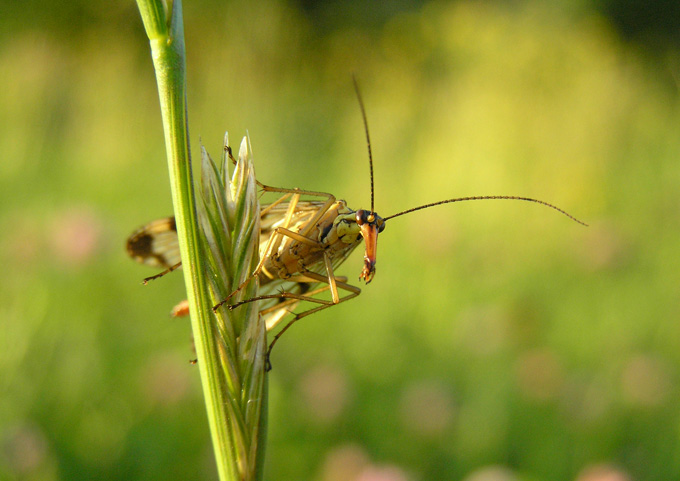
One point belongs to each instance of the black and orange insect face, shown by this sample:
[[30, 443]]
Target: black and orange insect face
[[370, 225]]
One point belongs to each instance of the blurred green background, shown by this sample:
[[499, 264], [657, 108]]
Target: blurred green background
[[499, 341]]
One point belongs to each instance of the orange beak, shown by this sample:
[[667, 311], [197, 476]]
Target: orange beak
[[370, 234]]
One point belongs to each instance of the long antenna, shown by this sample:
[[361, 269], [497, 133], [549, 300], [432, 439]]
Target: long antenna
[[368, 138], [487, 197]]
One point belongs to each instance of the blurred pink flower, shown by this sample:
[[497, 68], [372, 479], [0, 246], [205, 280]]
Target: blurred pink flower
[[325, 392], [75, 235], [602, 472], [427, 408]]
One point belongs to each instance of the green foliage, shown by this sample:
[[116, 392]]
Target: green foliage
[[494, 334]]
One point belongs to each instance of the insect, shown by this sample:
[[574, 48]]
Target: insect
[[302, 243]]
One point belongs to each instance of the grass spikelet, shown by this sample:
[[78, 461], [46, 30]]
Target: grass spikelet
[[230, 225]]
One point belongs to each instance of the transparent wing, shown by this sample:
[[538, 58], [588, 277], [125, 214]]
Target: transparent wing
[[273, 216]]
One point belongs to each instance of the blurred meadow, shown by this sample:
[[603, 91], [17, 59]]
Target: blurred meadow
[[499, 341]]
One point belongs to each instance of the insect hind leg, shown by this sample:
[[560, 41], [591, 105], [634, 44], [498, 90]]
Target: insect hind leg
[[289, 299], [353, 292], [332, 284]]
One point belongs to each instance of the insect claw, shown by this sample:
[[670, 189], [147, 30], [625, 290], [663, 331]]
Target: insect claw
[[152, 278]]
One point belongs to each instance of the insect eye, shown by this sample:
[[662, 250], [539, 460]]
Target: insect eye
[[361, 217], [381, 227]]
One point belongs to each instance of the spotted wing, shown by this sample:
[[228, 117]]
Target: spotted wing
[[155, 244]]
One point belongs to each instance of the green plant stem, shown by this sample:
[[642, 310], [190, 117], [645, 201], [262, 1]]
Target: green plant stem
[[164, 27]]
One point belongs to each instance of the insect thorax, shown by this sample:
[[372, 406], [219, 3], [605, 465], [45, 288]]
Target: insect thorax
[[336, 234]]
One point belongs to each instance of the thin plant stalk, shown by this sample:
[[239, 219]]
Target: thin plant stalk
[[232, 372]]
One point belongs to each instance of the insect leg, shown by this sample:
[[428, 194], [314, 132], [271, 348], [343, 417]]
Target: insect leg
[[280, 233], [302, 281], [271, 247], [333, 284], [161, 274], [230, 154], [353, 292], [274, 204], [292, 299]]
